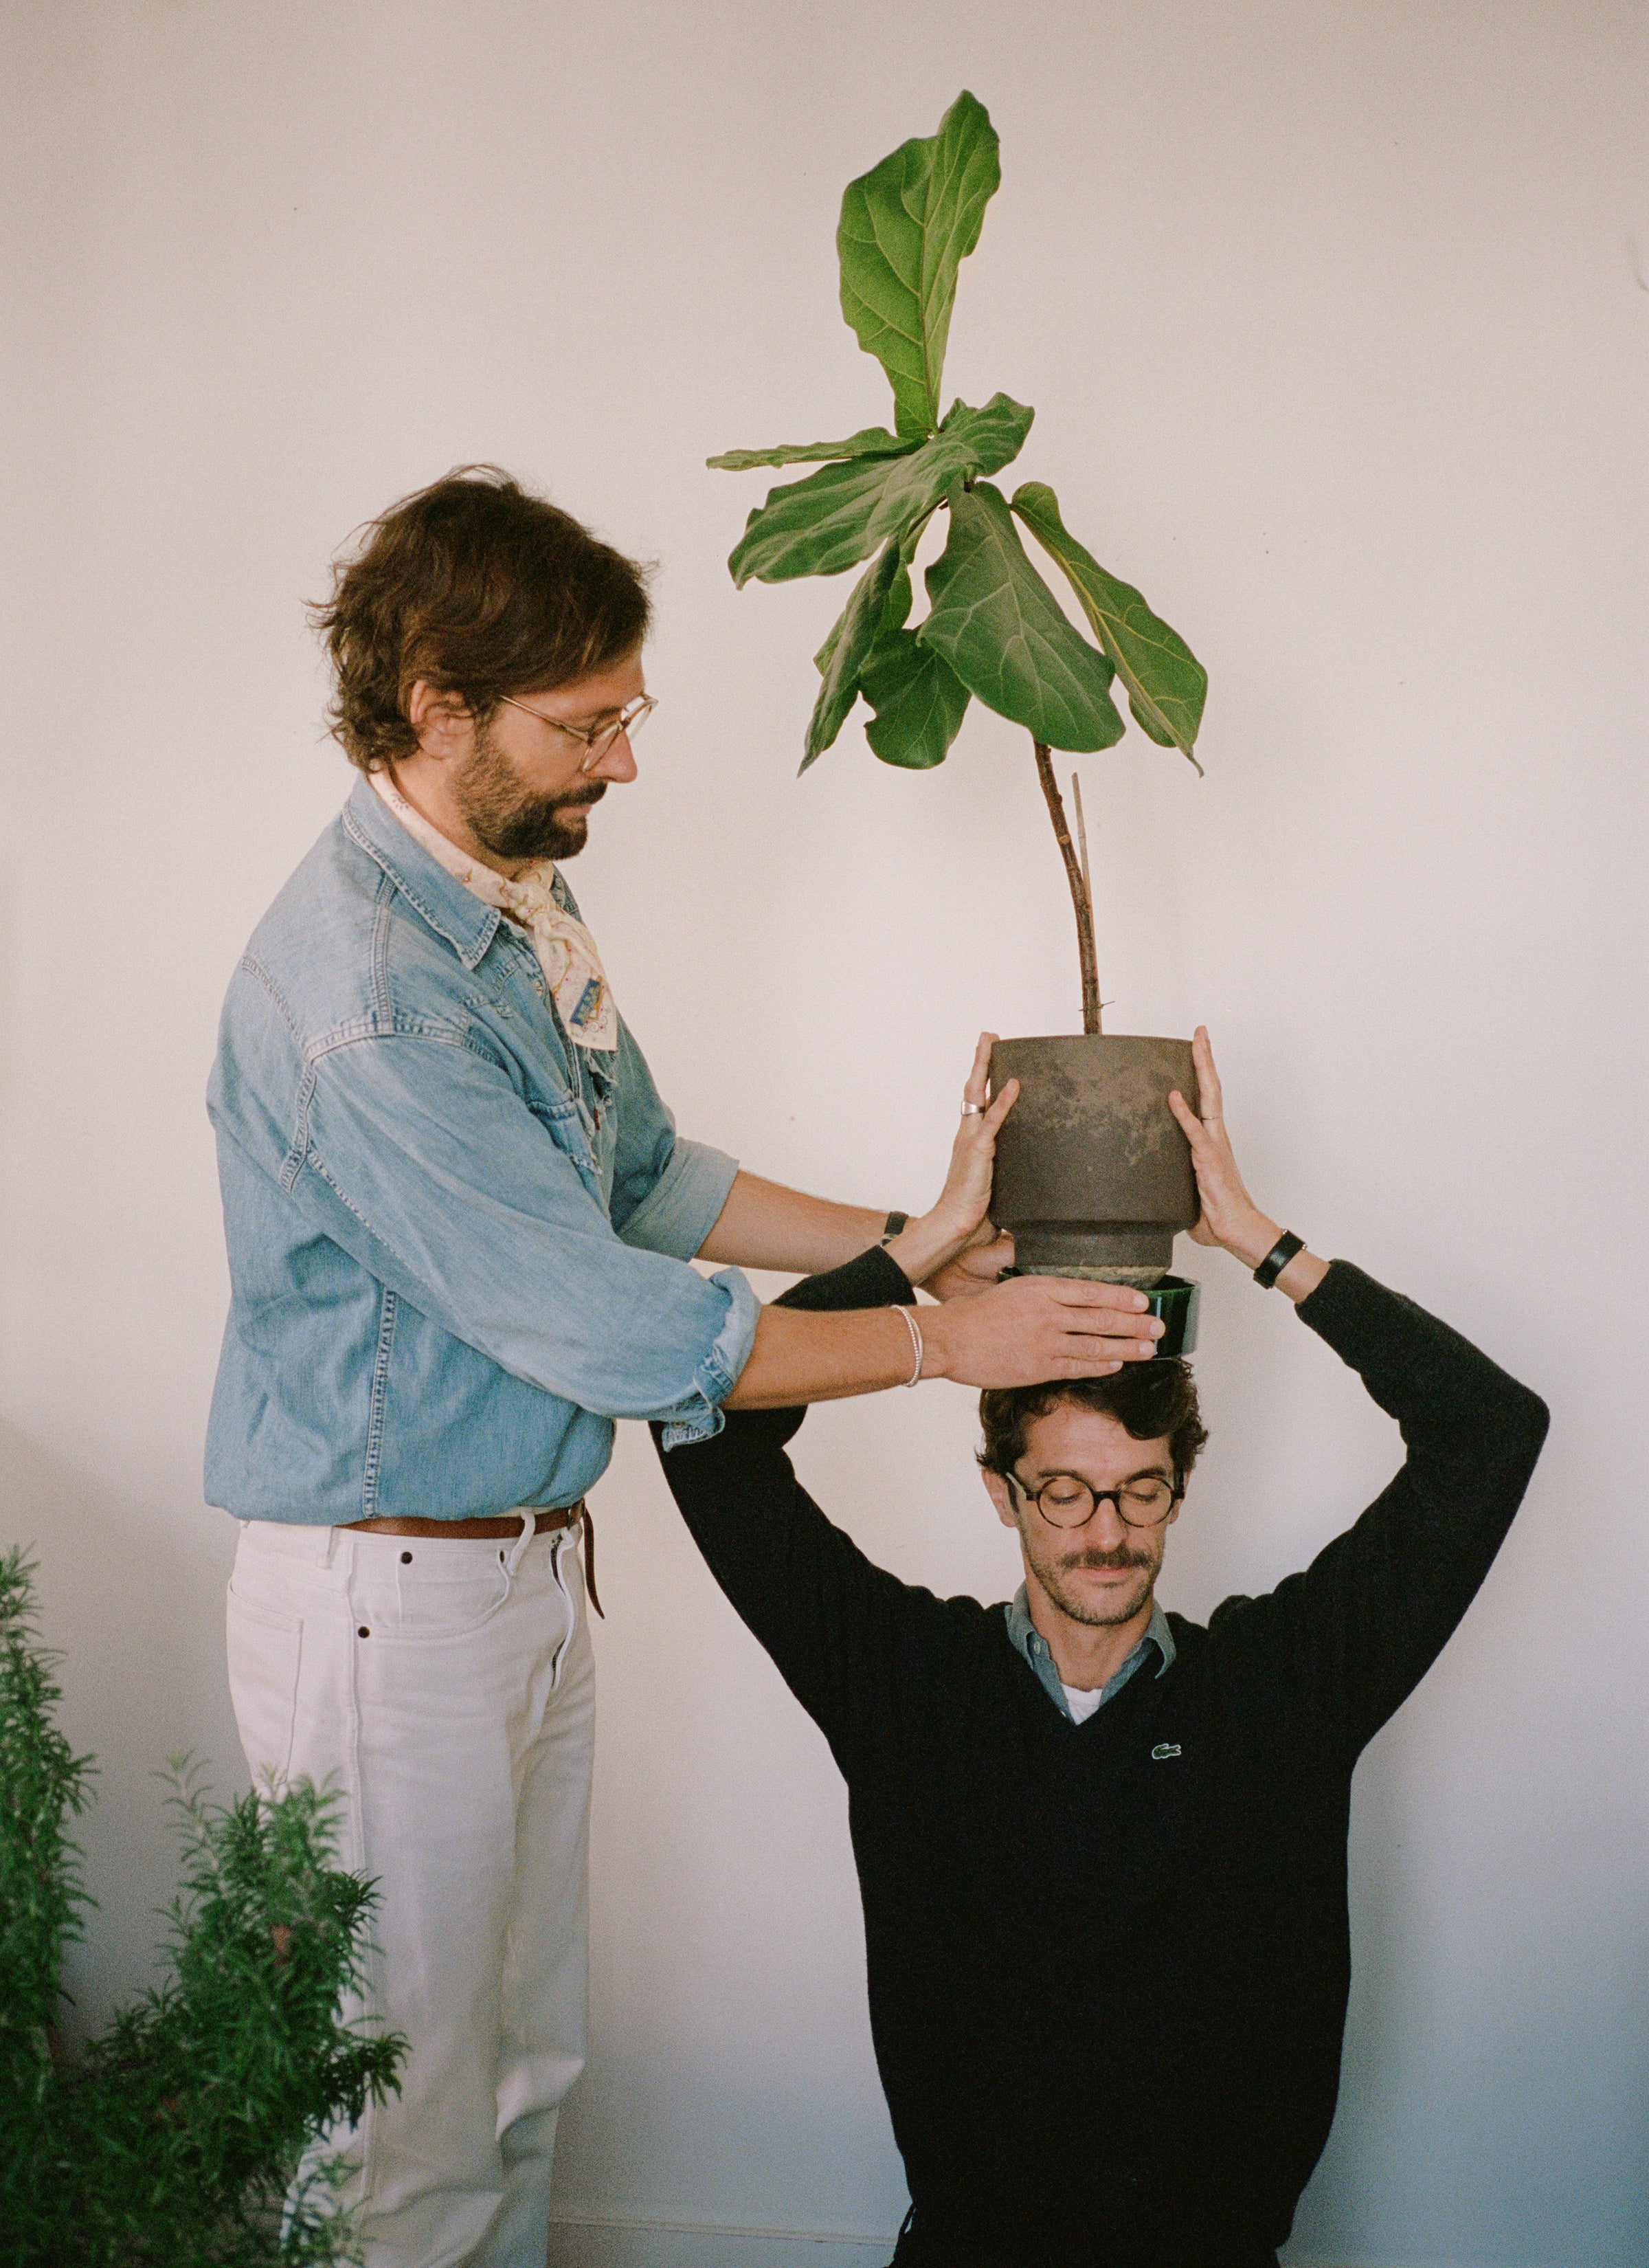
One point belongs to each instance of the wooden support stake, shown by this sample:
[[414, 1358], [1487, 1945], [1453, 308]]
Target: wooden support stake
[[1078, 881]]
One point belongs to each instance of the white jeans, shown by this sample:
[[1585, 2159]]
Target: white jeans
[[445, 1688]]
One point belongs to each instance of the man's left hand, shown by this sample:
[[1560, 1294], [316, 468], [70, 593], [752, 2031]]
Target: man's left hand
[[1230, 1218]]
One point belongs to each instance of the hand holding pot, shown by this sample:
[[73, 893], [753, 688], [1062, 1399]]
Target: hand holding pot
[[952, 1248], [1229, 1216], [1037, 1328]]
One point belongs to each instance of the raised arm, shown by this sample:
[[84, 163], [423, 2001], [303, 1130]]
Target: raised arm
[[847, 1636], [1352, 1636], [1365, 1621]]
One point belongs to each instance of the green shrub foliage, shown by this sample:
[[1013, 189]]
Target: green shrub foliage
[[176, 2138]]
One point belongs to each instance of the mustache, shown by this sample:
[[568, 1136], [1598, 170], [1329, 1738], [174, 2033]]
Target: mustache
[[1115, 1560], [576, 802]]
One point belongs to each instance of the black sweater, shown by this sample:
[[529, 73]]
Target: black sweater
[[1107, 1983]]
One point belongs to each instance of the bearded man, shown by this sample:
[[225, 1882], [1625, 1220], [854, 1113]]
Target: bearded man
[[460, 1222]]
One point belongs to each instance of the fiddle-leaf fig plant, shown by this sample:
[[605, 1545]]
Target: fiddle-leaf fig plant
[[994, 630]]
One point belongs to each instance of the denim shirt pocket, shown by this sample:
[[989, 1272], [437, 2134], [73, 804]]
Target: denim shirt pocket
[[547, 1076], [567, 1120], [590, 1095]]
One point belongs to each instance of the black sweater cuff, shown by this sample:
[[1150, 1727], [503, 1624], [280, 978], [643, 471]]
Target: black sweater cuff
[[873, 1280]]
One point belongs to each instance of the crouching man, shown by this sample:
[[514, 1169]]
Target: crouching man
[[1103, 1849]]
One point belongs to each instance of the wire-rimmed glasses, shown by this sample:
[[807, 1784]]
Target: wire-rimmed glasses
[[1065, 1501], [599, 738]]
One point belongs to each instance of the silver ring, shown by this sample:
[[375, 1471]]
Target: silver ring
[[973, 1110]]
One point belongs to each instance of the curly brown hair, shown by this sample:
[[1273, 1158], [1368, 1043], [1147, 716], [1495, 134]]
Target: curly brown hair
[[1153, 1400], [480, 588]]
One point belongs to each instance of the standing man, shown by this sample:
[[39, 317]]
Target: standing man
[[459, 1221]]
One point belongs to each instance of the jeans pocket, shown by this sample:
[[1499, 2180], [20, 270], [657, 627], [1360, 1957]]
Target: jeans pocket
[[432, 1600], [265, 1653]]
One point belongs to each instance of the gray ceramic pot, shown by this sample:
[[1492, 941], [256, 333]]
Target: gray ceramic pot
[[1092, 1175]]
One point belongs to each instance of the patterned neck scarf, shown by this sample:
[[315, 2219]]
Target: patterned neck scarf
[[566, 951]]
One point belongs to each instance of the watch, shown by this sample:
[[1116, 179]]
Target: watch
[[1277, 1258]]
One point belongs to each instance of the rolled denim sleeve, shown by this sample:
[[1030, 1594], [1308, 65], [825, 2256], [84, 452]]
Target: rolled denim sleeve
[[685, 1202], [417, 1155], [667, 1194], [697, 1420]]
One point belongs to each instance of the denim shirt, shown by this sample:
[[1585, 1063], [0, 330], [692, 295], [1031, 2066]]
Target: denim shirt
[[1035, 1650], [457, 1241]]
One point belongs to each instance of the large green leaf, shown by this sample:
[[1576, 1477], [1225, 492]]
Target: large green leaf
[[1001, 629], [840, 514], [917, 697], [972, 441], [1166, 684], [906, 227], [993, 436], [874, 441], [815, 526], [843, 652]]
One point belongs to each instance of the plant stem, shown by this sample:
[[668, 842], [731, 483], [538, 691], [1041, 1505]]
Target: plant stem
[[1078, 889]]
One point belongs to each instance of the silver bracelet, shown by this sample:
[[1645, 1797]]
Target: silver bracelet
[[916, 1346]]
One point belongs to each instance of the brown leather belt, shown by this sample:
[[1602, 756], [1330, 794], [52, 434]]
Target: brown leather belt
[[503, 1525]]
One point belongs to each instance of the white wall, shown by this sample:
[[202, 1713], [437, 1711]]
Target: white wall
[[1334, 326]]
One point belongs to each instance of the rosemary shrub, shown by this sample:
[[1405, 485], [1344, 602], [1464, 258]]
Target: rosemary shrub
[[177, 2137]]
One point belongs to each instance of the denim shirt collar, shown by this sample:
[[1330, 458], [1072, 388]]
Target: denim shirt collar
[[467, 923], [1034, 1651]]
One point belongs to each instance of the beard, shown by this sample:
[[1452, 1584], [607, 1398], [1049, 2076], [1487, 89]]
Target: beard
[[509, 820], [1121, 1606]]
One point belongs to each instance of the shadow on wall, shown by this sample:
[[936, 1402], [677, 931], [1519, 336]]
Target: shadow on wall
[[126, 1604], [1335, 2203]]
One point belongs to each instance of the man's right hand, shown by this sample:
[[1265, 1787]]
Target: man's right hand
[[1016, 1334], [1036, 1328]]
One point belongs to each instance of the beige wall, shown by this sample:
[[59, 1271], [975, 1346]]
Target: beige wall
[[1335, 325]]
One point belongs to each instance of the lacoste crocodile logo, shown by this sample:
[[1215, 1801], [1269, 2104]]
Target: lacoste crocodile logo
[[1163, 1750]]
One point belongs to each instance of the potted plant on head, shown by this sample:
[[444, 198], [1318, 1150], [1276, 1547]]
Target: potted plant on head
[[1092, 1175]]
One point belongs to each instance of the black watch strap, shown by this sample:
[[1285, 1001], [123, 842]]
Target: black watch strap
[[895, 1222], [1277, 1259]]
